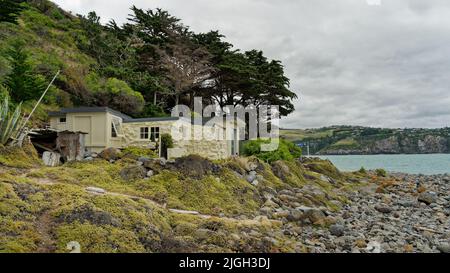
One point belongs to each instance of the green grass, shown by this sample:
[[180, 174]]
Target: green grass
[[300, 134]]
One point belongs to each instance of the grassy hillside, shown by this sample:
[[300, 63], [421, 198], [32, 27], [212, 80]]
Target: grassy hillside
[[48, 37]]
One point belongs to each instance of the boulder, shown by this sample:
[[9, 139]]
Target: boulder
[[265, 210], [110, 154], [444, 248], [250, 178], [337, 230], [427, 197], [88, 213], [133, 173], [203, 233], [252, 166], [193, 166], [143, 159], [373, 247], [269, 203], [295, 215], [280, 214], [316, 216], [383, 208]]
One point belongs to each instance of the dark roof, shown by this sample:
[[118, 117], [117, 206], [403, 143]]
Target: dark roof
[[150, 119], [64, 111], [126, 118]]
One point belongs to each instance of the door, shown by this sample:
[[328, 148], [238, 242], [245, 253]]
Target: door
[[83, 124]]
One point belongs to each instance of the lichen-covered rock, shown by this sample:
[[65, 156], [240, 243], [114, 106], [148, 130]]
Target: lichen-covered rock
[[110, 154], [427, 198], [87, 213], [133, 173], [194, 166], [337, 230], [383, 208]]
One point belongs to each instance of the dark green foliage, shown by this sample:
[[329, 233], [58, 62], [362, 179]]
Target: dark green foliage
[[362, 171], [23, 82], [152, 110], [381, 172], [286, 150], [10, 10], [116, 94], [245, 78], [166, 143]]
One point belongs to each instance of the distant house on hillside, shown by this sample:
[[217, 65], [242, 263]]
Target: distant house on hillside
[[105, 127]]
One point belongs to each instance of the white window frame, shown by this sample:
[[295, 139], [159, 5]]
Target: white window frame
[[145, 133]]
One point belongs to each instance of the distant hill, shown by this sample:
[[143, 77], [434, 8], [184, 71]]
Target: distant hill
[[344, 140]]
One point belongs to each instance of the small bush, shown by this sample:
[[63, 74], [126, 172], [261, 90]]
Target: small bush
[[286, 150], [362, 171], [381, 172], [166, 143]]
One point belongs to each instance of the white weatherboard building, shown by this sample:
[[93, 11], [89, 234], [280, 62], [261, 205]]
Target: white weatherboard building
[[105, 127]]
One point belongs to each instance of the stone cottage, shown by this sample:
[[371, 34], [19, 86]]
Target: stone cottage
[[105, 127]]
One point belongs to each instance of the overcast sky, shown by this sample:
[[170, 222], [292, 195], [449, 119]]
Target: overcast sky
[[350, 62]]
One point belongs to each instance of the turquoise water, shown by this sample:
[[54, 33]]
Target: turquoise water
[[414, 164]]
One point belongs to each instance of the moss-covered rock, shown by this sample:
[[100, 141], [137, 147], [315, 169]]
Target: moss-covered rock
[[16, 157]]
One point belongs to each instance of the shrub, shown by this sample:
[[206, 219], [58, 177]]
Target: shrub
[[362, 171], [166, 143], [116, 94], [286, 150], [152, 110], [381, 172], [138, 151]]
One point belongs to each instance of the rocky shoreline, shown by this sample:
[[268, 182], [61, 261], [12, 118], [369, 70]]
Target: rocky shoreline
[[400, 213]]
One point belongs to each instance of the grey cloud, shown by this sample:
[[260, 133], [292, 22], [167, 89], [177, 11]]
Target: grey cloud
[[350, 63]]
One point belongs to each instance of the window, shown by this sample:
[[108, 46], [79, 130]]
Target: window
[[113, 130], [62, 120], [154, 134], [144, 132]]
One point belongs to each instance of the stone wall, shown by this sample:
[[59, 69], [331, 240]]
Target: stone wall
[[213, 148]]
